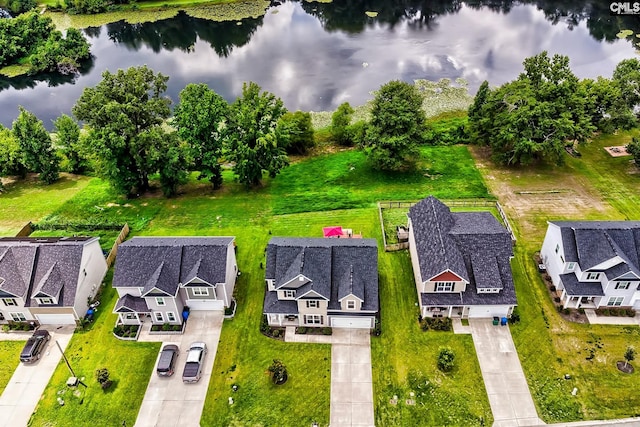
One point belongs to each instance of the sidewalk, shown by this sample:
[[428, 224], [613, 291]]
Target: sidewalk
[[594, 319]]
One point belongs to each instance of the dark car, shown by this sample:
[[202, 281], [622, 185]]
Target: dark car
[[193, 366], [167, 360], [34, 346]]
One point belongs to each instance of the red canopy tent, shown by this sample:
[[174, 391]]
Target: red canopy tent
[[334, 231]]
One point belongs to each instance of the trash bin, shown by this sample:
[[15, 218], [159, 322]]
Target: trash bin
[[503, 321], [496, 321]]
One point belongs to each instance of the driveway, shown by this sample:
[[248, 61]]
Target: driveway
[[509, 395], [19, 399], [168, 402], [351, 381]]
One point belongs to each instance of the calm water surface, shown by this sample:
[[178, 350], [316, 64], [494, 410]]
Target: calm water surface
[[316, 56]]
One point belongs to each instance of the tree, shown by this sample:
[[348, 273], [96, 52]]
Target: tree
[[10, 155], [102, 376], [633, 148], [36, 147], [477, 120], [251, 141], [396, 126], [340, 121], [294, 132], [446, 358], [199, 119], [173, 156], [627, 76], [21, 6], [534, 116], [68, 141], [629, 355], [278, 372], [125, 112]]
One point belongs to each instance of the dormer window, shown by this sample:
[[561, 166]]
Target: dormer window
[[444, 286], [571, 266], [351, 305], [593, 276], [623, 285], [289, 294], [45, 301], [313, 303], [9, 302]]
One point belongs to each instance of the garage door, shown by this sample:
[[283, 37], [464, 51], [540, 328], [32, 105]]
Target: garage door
[[56, 319], [488, 311], [200, 305], [352, 322]]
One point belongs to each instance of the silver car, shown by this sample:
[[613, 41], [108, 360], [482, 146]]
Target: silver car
[[193, 366]]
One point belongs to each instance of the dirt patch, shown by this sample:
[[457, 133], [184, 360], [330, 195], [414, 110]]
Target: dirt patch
[[532, 196], [617, 151], [626, 368]]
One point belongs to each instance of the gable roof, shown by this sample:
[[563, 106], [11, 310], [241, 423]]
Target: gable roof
[[466, 243], [590, 243], [16, 264], [335, 267], [131, 304], [48, 266], [163, 263]]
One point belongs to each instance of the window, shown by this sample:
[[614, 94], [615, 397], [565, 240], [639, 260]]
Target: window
[[615, 301], [160, 301], [313, 304], [130, 316], [171, 316], [159, 316], [9, 301], [593, 276], [289, 294], [200, 291], [623, 285], [45, 301], [444, 286], [557, 248], [571, 266], [1, 316], [313, 319], [351, 304], [562, 259], [18, 317]]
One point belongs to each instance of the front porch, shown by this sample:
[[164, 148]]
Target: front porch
[[444, 311], [578, 301], [283, 320]]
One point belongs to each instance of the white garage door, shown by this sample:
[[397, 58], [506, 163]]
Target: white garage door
[[488, 311], [56, 319], [200, 305], [352, 322]]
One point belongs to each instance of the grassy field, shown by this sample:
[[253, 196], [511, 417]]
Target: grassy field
[[10, 356], [243, 353], [595, 186]]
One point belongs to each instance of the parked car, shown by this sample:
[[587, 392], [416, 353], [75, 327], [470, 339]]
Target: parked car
[[193, 366], [34, 346], [167, 360]]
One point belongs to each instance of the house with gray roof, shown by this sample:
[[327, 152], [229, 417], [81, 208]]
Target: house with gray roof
[[157, 277], [318, 282], [49, 279], [461, 262], [594, 263]]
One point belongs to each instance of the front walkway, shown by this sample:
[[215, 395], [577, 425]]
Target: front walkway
[[509, 395], [168, 402], [594, 319]]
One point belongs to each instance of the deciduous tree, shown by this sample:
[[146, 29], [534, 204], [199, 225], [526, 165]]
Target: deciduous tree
[[199, 118], [35, 146], [396, 126], [627, 76], [10, 155], [125, 112], [295, 132], [68, 140], [340, 121], [251, 141]]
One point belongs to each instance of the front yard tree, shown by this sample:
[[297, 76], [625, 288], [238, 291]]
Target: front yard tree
[[446, 358], [294, 132], [199, 118], [278, 372], [125, 112], [251, 141], [10, 157], [633, 148], [627, 76], [629, 355], [68, 139], [340, 121], [36, 146], [396, 126]]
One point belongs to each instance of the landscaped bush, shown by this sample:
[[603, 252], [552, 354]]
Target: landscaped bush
[[301, 330], [102, 375], [377, 329], [614, 311], [515, 316], [21, 326], [552, 288], [556, 299], [436, 323], [446, 359], [126, 331], [327, 331]]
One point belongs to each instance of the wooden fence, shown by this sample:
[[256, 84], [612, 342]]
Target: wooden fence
[[26, 230], [465, 203], [114, 249]]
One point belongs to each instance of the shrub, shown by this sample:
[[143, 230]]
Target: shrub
[[566, 311], [166, 327], [377, 329], [102, 375], [581, 310], [264, 325], [556, 299], [515, 317], [327, 331], [446, 359], [552, 288], [630, 312], [275, 333], [278, 372], [301, 330]]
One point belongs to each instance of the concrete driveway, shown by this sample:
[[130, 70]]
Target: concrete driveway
[[19, 399], [509, 395], [169, 402]]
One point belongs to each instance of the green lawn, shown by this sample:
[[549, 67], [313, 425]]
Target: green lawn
[[595, 186], [30, 200], [281, 207], [10, 356]]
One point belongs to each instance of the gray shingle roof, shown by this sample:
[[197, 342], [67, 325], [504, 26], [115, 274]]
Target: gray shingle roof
[[336, 267], [48, 266], [576, 288], [131, 304], [160, 264], [598, 241], [473, 245]]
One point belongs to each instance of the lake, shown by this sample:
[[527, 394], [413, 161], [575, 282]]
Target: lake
[[317, 55]]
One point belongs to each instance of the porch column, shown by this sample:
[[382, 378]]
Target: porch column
[[280, 319], [450, 310]]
